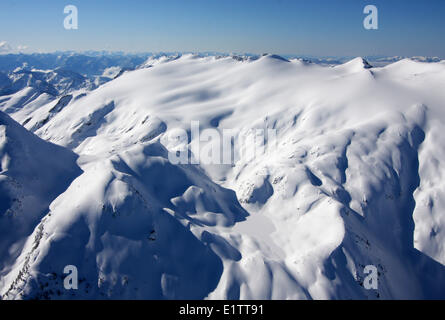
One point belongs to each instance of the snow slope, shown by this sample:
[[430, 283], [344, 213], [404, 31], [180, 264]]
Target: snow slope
[[354, 178], [32, 174]]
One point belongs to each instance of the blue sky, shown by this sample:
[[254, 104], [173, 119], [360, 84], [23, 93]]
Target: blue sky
[[306, 27]]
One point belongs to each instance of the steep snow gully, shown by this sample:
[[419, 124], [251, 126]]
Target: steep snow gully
[[350, 177]]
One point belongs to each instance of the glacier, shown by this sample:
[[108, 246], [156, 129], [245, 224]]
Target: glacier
[[354, 179]]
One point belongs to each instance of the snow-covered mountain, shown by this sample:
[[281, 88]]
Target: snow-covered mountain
[[88, 64], [352, 178], [32, 174]]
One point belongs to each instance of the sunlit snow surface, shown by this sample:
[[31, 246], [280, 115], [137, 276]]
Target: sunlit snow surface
[[355, 179]]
